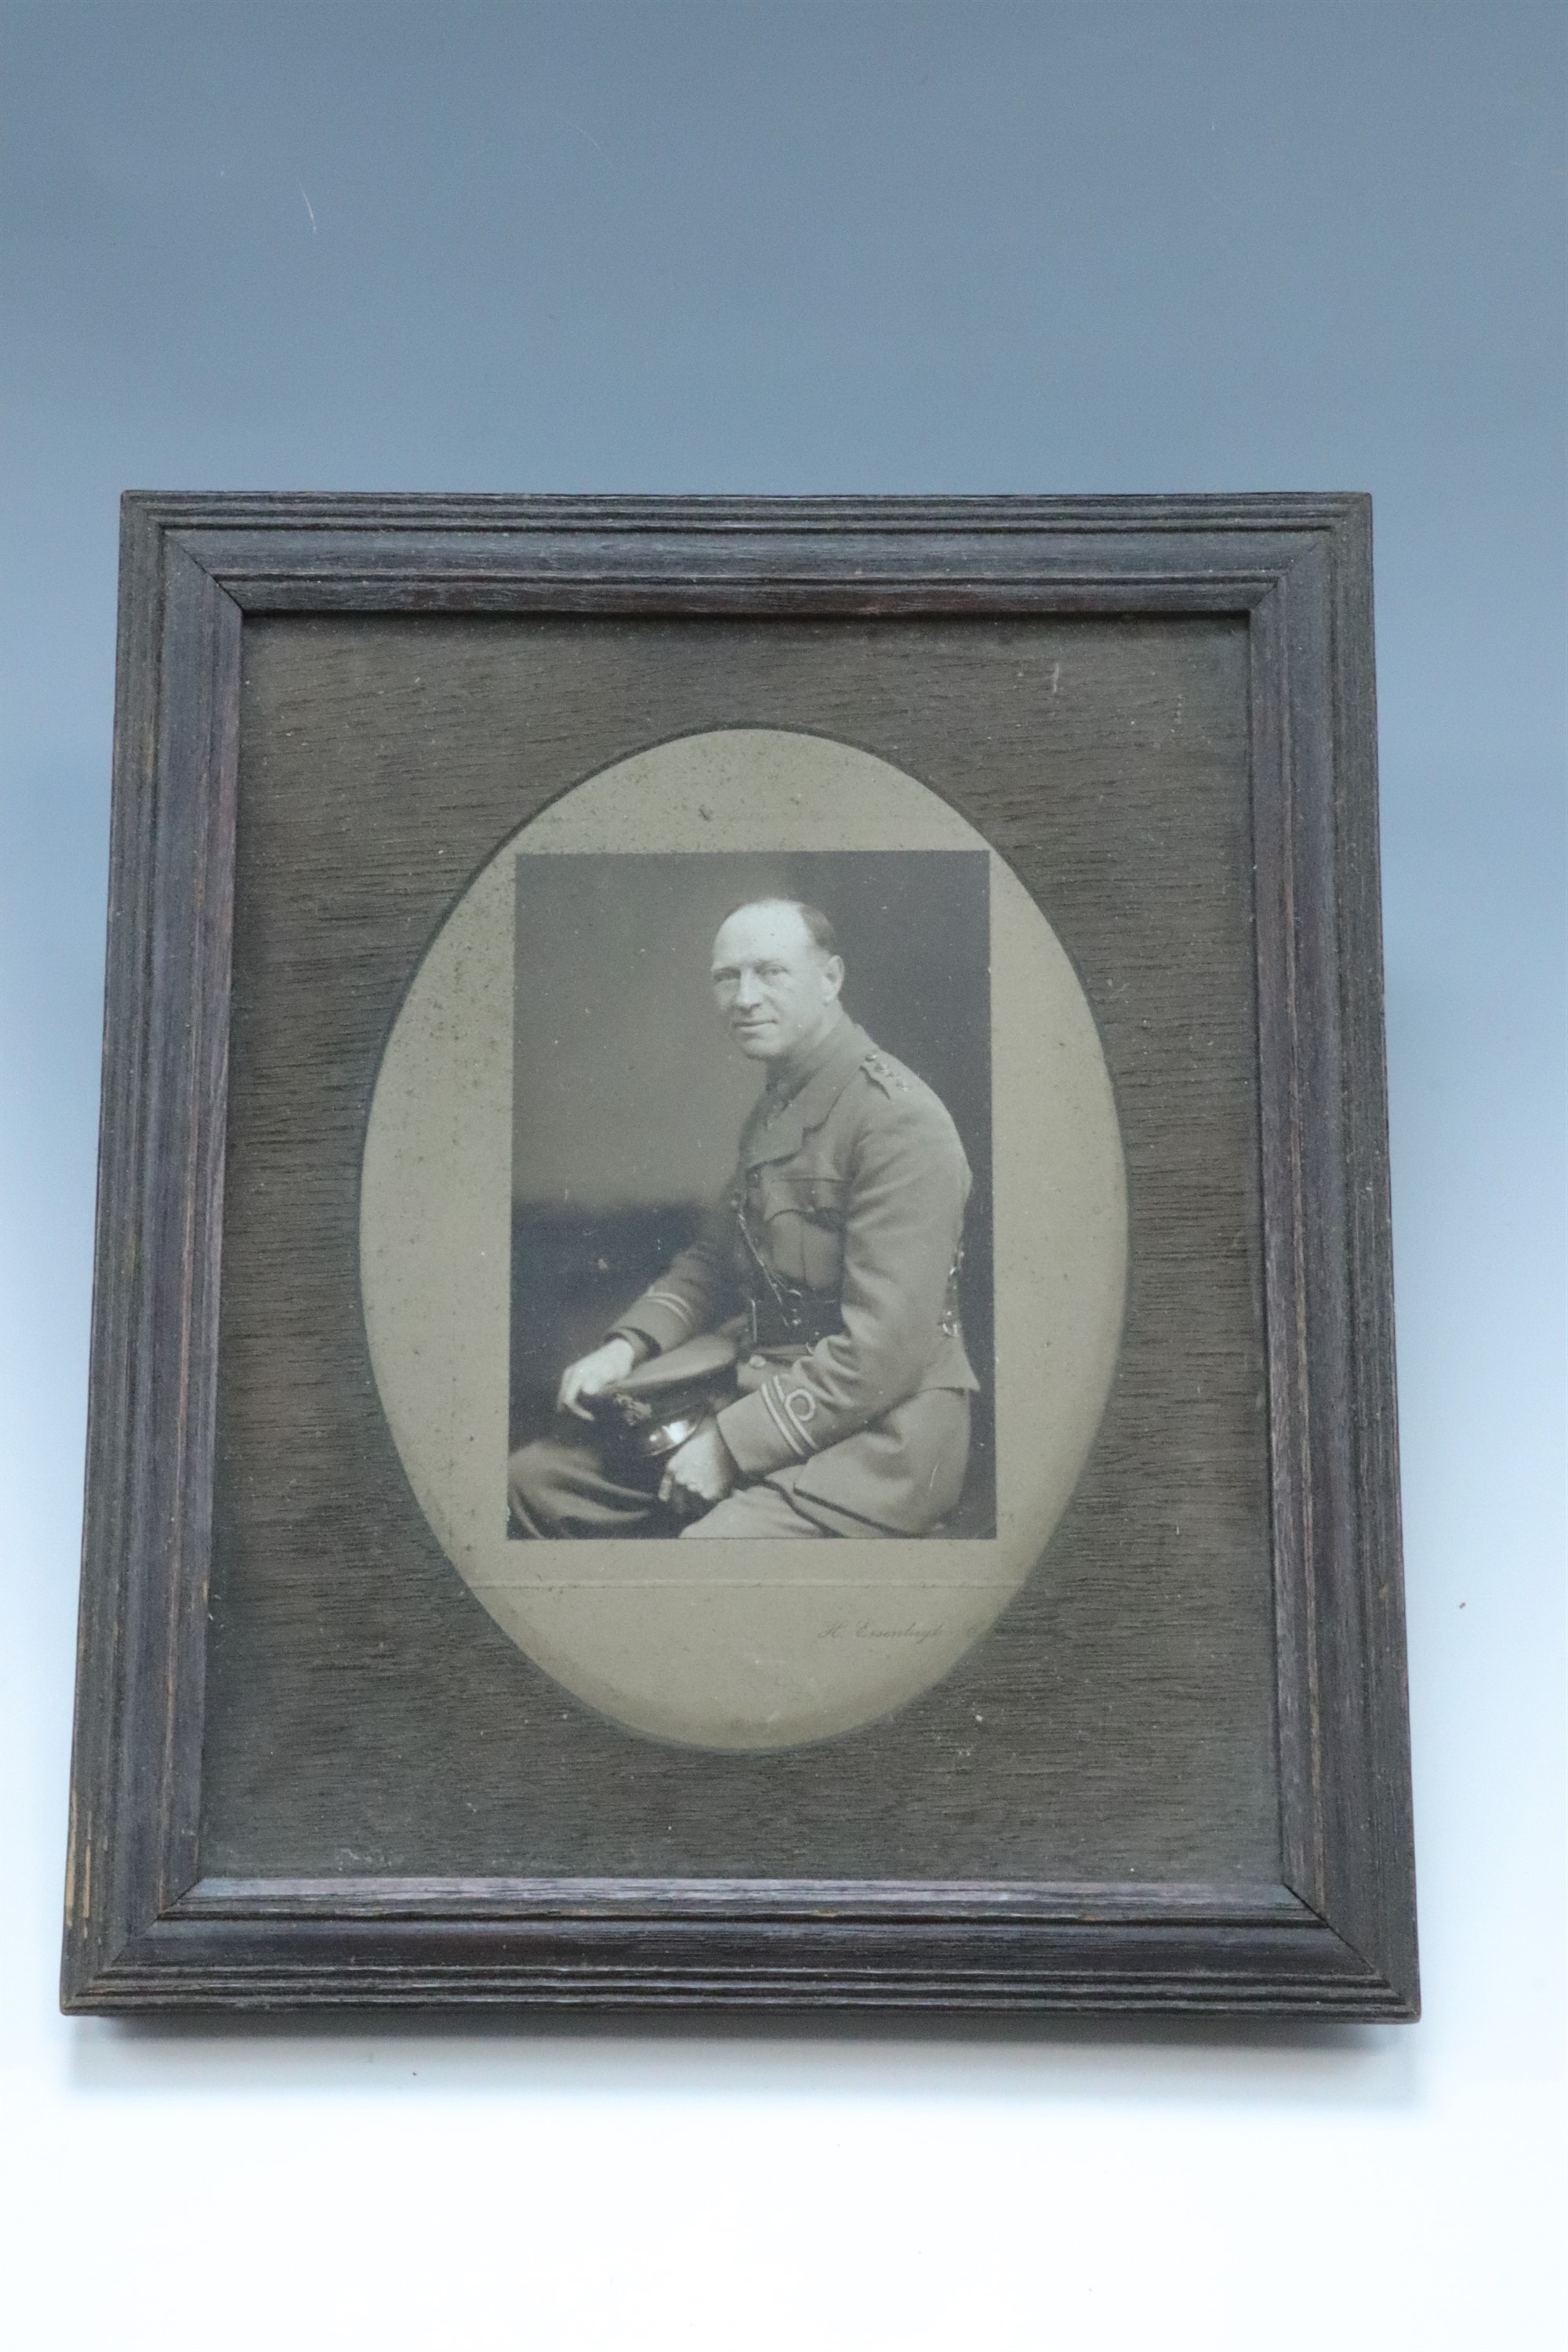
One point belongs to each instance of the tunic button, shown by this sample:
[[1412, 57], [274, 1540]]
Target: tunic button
[[758, 1362]]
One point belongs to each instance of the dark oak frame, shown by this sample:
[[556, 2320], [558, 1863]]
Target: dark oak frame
[[144, 1928]]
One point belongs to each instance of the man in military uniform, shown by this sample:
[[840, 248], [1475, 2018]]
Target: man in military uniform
[[834, 1260]]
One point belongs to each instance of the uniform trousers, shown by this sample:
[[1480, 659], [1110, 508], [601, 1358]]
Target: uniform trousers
[[559, 1486]]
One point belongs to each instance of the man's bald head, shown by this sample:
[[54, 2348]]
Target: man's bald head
[[777, 974]]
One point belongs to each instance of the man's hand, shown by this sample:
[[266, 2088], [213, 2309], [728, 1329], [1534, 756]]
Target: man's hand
[[698, 1474], [591, 1375]]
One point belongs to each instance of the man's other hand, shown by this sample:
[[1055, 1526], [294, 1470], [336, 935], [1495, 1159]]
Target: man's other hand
[[698, 1474], [591, 1375]]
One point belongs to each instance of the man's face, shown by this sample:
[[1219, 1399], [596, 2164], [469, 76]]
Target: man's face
[[775, 988]]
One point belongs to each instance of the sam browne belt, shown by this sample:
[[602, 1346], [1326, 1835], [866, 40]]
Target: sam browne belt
[[780, 1314]]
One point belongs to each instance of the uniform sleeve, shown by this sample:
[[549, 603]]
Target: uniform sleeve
[[908, 1181], [693, 1293]]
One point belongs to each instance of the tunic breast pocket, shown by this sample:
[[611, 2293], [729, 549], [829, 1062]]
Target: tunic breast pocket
[[804, 1218]]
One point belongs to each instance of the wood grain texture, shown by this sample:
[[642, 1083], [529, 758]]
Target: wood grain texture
[[1327, 1926], [136, 1776]]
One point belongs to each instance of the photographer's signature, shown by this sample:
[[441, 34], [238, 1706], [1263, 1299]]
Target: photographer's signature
[[861, 1629]]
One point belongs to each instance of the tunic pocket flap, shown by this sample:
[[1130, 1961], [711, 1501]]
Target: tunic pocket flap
[[819, 1198]]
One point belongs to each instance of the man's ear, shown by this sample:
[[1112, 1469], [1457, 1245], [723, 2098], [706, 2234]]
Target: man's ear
[[833, 972]]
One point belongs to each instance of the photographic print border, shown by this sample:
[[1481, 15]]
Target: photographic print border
[[1335, 1934]]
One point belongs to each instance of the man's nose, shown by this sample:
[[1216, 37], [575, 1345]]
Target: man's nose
[[746, 989]]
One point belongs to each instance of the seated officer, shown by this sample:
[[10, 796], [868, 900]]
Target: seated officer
[[833, 1258]]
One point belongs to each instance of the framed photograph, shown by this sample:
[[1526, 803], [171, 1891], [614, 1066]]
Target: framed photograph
[[742, 1348]]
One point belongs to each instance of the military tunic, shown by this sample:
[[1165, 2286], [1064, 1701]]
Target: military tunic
[[839, 1242]]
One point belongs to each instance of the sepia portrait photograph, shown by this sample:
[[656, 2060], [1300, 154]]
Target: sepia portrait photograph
[[797, 1344]]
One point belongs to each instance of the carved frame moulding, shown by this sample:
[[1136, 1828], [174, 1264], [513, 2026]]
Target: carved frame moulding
[[1166, 1768]]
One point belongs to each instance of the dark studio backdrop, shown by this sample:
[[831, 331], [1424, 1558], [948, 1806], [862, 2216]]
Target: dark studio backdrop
[[630, 1095]]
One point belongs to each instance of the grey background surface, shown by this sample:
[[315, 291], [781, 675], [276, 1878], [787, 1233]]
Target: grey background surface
[[1080, 247]]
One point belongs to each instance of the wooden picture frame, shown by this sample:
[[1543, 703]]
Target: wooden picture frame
[[151, 1922]]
